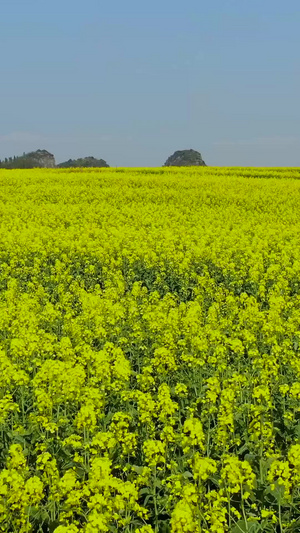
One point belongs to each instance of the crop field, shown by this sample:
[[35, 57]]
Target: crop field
[[150, 350]]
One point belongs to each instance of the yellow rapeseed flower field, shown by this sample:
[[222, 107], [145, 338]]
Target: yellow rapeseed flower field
[[150, 350]]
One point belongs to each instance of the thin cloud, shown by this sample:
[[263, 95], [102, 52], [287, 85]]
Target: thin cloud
[[21, 136], [261, 141], [76, 139], [29, 137]]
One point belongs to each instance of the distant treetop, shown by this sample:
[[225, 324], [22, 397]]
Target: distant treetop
[[85, 162]]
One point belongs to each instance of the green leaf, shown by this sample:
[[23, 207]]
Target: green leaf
[[250, 458], [297, 430], [246, 527], [277, 493], [146, 490], [187, 474]]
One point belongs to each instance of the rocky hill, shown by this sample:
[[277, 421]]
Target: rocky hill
[[85, 162], [38, 159], [185, 158], [43, 159]]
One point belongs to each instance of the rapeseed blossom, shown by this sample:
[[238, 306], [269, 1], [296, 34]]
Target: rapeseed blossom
[[149, 350]]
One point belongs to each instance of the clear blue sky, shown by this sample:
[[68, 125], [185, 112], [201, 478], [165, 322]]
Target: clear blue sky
[[133, 81]]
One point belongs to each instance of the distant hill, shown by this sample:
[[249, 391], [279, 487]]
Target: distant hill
[[85, 162], [185, 158], [38, 159], [43, 159]]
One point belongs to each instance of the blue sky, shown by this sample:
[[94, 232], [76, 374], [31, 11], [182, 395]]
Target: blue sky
[[133, 81]]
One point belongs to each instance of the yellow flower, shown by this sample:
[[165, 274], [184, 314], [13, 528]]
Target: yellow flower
[[193, 434], [154, 451]]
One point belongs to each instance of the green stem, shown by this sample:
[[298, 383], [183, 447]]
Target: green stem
[[208, 437], [155, 502], [243, 510], [279, 517]]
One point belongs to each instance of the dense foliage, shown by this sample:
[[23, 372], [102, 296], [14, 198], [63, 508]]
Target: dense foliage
[[85, 162], [149, 363]]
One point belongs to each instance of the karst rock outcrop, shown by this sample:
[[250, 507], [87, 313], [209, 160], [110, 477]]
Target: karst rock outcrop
[[43, 158], [185, 158], [37, 159]]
